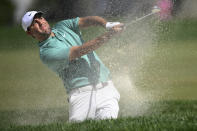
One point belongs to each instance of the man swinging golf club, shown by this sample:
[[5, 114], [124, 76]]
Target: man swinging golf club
[[91, 93]]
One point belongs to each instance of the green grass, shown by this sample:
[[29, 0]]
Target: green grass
[[178, 30], [166, 115]]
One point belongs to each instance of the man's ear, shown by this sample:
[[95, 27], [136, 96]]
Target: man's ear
[[28, 33]]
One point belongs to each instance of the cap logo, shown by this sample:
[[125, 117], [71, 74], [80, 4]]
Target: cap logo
[[29, 14]]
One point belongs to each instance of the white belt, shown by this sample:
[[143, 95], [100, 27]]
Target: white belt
[[89, 87]]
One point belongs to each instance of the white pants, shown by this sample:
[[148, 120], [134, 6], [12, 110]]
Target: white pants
[[94, 102]]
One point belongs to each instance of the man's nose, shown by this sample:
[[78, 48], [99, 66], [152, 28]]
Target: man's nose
[[39, 21]]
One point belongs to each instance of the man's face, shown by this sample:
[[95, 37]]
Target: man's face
[[39, 28]]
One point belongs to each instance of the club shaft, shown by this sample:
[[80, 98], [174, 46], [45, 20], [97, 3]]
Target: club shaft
[[141, 18]]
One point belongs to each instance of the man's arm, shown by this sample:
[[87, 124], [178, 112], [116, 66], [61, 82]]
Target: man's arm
[[78, 51], [92, 21]]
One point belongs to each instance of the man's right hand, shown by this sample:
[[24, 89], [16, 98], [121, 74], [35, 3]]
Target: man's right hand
[[118, 28]]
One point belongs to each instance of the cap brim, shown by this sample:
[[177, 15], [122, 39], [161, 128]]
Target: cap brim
[[38, 14]]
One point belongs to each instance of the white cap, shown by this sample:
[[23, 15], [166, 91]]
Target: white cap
[[28, 18]]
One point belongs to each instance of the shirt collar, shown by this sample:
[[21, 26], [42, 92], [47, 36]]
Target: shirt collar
[[48, 39]]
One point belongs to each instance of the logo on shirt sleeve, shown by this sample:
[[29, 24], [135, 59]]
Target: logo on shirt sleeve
[[64, 35]]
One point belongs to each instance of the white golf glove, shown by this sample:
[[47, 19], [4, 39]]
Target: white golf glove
[[110, 25]]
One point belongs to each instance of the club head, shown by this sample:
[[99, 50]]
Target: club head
[[156, 9]]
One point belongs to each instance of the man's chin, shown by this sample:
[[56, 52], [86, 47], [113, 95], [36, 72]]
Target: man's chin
[[46, 33]]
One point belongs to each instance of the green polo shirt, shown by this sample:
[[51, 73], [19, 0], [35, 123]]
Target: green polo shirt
[[54, 52]]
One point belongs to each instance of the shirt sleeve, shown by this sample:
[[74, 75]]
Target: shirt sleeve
[[56, 58], [72, 24]]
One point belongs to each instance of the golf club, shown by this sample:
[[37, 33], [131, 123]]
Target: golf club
[[155, 10]]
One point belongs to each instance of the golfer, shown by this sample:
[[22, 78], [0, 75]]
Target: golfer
[[91, 93]]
